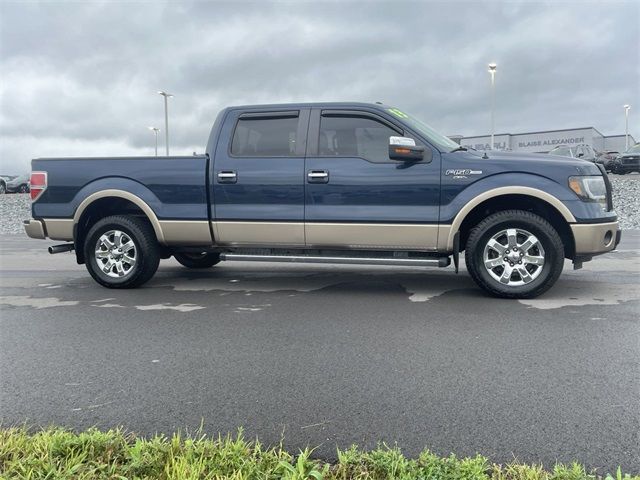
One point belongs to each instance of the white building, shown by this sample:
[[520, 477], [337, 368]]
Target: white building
[[542, 142]]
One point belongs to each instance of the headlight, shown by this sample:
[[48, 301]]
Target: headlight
[[590, 189]]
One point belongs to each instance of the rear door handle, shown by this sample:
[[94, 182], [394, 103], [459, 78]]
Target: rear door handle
[[318, 176], [227, 176]]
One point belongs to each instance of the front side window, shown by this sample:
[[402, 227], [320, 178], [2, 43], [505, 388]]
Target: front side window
[[345, 136], [265, 137], [437, 139]]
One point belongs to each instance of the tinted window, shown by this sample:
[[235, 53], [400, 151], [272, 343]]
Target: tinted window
[[355, 137], [265, 137]]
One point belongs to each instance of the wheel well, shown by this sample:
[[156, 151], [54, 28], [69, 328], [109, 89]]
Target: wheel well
[[519, 202], [101, 208]]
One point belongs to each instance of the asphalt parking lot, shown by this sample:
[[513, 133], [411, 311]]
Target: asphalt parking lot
[[328, 355]]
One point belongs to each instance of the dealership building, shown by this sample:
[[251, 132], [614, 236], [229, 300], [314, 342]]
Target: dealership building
[[542, 142]]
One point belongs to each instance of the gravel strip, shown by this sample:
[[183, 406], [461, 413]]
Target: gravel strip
[[14, 208], [626, 199]]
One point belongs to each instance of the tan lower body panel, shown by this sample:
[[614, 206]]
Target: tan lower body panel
[[176, 232], [594, 238], [59, 229], [372, 235], [294, 234], [186, 232], [259, 233]]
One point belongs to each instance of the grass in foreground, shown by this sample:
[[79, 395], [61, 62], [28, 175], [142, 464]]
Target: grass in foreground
[[57, 453]]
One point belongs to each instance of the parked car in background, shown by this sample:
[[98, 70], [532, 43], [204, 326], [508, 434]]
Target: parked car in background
[[19, 184], [606, 159], [628, 162], [583, 151]]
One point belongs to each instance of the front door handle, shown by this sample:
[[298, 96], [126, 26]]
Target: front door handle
[[227, 176], [318, 176]]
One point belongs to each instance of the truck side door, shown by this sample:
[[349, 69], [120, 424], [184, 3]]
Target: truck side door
[[258, 178], [356, 196]]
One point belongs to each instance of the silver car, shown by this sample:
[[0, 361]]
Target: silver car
[[19, 184]]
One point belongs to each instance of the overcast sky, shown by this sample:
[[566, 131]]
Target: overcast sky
[[81, 78]]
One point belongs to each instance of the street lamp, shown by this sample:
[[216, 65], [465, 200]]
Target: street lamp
[[626, 126], [155, 130], [492, 71], [166, 118]]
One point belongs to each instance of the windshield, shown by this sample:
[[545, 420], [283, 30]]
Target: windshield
[[437, 139], [634, 149]]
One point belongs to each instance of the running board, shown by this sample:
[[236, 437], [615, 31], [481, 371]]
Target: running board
[[407, 262]]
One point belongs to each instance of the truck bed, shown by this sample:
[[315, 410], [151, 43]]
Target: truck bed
[[174, 186]]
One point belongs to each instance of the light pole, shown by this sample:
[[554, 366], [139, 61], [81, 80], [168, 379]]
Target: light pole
[[626, 126], [492, 71], [155, 130], [166, 118]]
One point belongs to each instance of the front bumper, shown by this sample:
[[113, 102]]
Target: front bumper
[[595, 238], [34, 228]]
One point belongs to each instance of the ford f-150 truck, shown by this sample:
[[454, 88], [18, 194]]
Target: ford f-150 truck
[[328, 183]]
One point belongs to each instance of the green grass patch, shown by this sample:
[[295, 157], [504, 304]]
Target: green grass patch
[[56, 453]]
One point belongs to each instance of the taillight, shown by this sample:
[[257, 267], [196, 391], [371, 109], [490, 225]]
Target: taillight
[[38, 184]]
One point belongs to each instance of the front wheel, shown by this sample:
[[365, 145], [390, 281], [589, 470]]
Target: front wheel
[[197, 260], [514, 254], [121, 251]]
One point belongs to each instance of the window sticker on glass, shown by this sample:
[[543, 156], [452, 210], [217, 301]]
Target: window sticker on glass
[[397, 113]]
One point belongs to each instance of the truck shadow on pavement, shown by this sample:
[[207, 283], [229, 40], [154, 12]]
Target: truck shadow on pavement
[[573, 289]]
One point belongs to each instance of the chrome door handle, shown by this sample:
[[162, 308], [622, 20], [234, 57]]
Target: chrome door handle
[[227, 176], [318, 176]]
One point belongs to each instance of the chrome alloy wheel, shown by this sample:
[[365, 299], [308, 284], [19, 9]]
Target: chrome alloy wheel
[[116, 253], [514, 257]]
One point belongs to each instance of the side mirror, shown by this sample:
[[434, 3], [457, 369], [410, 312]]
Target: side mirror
[[580, 155], [405, 149]]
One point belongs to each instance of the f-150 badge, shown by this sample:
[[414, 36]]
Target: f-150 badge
[[462, 172]]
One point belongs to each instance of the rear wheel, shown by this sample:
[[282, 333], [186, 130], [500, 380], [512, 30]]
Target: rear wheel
[[121, 251], [514, 254], [197, 260], [23, 188]]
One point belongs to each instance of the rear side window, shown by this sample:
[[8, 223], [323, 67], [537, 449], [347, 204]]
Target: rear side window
[[345, 136], [265, 137]]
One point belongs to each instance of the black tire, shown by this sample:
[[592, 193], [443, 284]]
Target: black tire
[[3, 188], [147, 251], [23, 189], [197, 260], [548, 238]]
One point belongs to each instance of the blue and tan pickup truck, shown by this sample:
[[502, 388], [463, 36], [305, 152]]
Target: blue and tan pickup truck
[[351, 183]]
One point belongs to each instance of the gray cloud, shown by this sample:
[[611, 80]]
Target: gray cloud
[[80, 78]]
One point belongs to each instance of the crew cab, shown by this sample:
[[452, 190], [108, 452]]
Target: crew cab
[[351, 183]]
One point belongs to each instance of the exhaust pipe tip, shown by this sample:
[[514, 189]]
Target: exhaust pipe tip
[[65, 247]]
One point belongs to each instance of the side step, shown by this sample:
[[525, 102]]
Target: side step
[[407, 262]]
